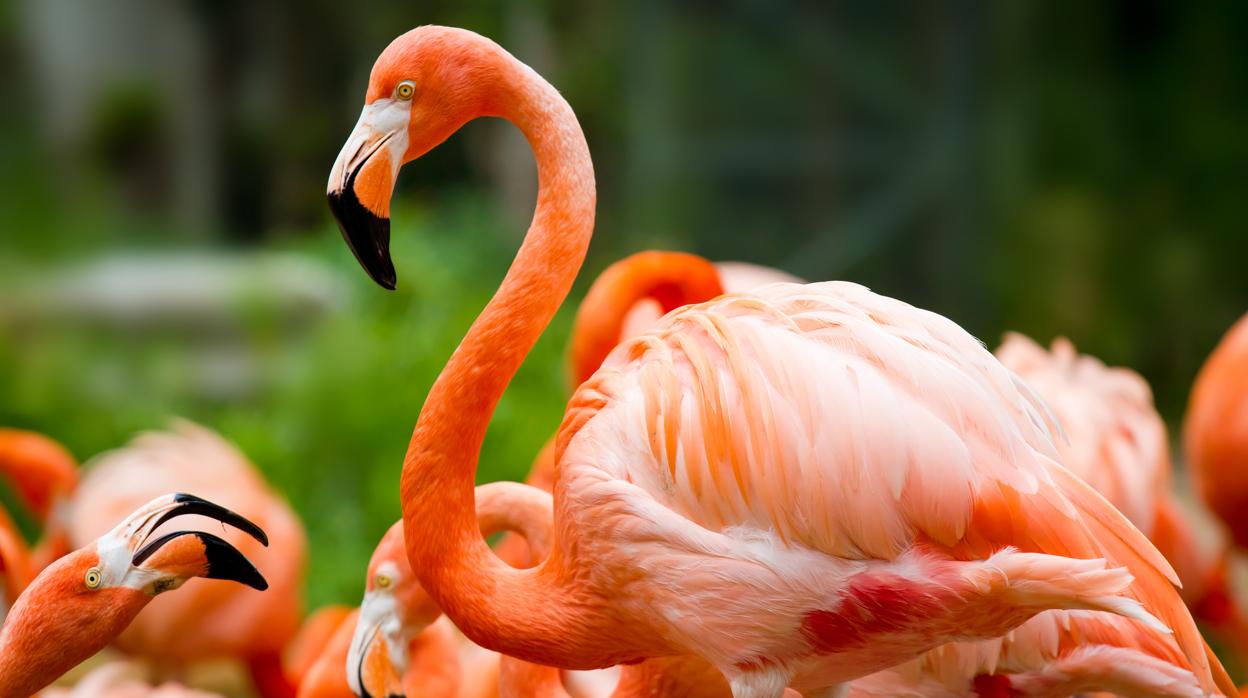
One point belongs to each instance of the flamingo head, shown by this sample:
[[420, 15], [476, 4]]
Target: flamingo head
[[426, 85], [395, 610], [84, 600]]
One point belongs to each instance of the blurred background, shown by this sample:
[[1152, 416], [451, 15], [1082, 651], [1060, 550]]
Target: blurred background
[[165, 248]]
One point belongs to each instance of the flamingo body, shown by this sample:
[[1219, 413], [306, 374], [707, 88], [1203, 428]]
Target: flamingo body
[[701, 455]]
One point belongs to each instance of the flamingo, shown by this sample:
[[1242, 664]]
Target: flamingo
[[628, 298], [226, 621], [1215, 432], [122, 679], [312, 641], [326, 672], [399, 641], [801, 486], [1117, 442], [1055, 654], [84, 600], [44, 475]]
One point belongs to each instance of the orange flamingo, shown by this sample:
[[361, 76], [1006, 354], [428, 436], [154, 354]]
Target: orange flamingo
[[84, 600], [1215, 433], [398, 640], [15, 564], [399, 614], [315, 636], [44, 476], [204, 621], [326, 672], [801, 486]]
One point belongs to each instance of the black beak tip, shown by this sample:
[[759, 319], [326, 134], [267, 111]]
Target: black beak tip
[[225, 562], [366, 233]]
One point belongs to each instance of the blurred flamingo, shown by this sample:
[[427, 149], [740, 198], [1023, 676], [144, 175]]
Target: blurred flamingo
[[43, 475], [400, 643], [84, 600], [1215, 433], [325, 675], [15, 566], [205, 621], [801, 486], [314, 637], [122, 679], [1117, 442]]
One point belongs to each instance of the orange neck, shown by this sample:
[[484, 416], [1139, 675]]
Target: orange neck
[[15, 566], [532, 613], [39, 469], [671, 278]]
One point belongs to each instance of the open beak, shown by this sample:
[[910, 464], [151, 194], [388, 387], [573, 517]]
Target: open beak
[[377, 657], [362, 182], [173, 558]]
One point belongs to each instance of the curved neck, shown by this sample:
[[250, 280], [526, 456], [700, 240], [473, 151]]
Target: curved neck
[[514, 611], [671, 278], [523, 509], [39, 469]]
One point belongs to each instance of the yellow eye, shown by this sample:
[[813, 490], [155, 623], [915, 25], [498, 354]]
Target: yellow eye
[[405, 90], [383, 581], [93, 578]]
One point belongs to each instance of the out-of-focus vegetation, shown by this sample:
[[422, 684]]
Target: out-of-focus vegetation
[[1052, 168]]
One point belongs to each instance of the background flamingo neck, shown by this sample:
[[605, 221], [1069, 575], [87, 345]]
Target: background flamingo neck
[[522, 509], [39, 469], [671, 278], [495, 605]]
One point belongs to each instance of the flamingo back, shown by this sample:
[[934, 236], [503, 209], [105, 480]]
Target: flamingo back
[[851, 424]]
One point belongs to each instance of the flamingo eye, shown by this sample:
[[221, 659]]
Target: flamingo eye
[[93, 578], [405, 90], [383, 581]]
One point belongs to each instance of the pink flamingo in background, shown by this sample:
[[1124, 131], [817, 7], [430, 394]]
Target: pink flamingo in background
[[122, 679], [1117, 442], [84, 600], [204, 621], [801, 486], [1215, 432]]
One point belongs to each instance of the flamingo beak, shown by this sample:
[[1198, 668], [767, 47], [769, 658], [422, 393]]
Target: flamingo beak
[[362, 182], [377, 656], [373, 674], [168, 561]]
